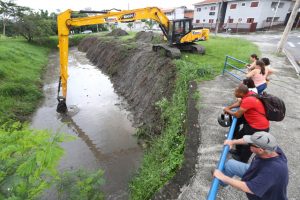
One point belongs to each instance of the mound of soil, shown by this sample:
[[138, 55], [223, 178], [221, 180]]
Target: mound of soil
[[140, 75], [117, 32], [148, 37]]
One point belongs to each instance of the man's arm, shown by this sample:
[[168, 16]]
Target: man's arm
[[239, 113], [241, 185]]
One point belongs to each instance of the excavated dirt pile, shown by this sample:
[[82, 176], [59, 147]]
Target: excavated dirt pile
[[117, 32], [140, 75], [148, 37]]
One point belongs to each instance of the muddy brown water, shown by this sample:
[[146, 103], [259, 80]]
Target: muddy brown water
[[98, 119]]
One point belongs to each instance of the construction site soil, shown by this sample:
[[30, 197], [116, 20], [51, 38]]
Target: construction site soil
[[140, 75]]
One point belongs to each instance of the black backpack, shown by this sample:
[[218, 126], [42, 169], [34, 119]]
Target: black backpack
[[274, 107]]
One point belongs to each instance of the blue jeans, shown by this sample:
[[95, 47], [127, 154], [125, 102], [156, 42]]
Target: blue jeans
[[234, 168], [261, 88]]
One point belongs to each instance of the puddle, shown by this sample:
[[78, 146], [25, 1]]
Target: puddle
[[97, 118]]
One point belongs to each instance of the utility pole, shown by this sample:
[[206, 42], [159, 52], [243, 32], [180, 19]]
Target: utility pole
[[288, 27], [218, 17], [274, 14]]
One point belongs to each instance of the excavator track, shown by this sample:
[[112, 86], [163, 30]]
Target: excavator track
[[169, 51], [191, 47]]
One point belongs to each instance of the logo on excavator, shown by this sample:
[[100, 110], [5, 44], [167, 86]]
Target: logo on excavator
[[128, 16], [110, 19], [196, 32]]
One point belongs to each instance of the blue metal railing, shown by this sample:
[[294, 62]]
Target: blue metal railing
[[232, 66], [215, 184]]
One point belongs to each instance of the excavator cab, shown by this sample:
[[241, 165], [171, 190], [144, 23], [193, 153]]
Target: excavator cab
[[179, 28]]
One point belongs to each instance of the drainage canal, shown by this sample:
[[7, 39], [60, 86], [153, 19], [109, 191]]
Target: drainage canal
[[97, 117]]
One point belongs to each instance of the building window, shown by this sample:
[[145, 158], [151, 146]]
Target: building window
[[274, 5], [203, 20], [197, 20], [198, 9], [250, 20], [243, 4], [230, 20], [269, 19], [213, 8], [211, 20], [233, 6], [212, 13], [254, 4]]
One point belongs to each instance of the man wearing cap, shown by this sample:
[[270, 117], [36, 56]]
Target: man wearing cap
[[251, 114], [266, 178]]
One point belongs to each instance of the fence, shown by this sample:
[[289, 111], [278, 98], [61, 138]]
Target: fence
[[225, 70], [215, 184]]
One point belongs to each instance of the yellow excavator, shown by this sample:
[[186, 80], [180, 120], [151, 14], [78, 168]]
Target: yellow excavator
[[179, 33]]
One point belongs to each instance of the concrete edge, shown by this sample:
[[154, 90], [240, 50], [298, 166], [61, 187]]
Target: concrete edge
[[292, 61], [171, 190]]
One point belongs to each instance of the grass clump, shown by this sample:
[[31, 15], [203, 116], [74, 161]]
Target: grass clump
[[165, 155], [21, 66]]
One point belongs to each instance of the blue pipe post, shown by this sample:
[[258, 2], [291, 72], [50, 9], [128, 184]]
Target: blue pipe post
[[225, 64], [215, 184]]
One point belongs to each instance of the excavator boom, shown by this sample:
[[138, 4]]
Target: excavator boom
[[179, 33]]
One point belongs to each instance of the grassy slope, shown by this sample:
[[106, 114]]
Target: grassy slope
[[166, 153], [21, 65]]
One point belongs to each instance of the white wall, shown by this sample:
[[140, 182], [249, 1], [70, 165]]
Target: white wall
[[204, 13], [242, 12], [268, 12], [259, 13], [178, 13]]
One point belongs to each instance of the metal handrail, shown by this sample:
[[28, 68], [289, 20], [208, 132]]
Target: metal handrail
[[232, 66], [215, 184]]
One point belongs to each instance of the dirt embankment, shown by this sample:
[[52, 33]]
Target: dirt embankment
[[140, 75]]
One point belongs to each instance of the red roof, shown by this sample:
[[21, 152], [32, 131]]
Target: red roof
[[207, 2], [166, 10]]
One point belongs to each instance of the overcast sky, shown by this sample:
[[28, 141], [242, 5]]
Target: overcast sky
[[53, 5]]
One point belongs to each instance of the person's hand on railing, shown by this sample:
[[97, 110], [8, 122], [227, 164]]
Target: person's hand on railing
[[229, 143], [218, 174]]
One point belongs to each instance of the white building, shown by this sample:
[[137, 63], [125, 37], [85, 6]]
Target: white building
[[261, 12], [206, 11], [241, 14], [175, 13]]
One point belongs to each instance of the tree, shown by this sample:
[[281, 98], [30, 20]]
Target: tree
[[10, 10], [130, 25], [7, 10], [34, 27], [150, 23]]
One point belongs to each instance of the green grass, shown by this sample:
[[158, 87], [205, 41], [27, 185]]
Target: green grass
[[21, 66], [165, 156]]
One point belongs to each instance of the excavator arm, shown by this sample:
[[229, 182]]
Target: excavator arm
[[65, 22], [183, 40]]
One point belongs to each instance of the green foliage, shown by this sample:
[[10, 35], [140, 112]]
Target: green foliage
[[28, 160], [165, 154], [21, 66], [150, 23], [80, 185], [34, 27], [130, 25]]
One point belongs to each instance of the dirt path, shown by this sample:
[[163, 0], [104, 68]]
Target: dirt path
[[218, 92]]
